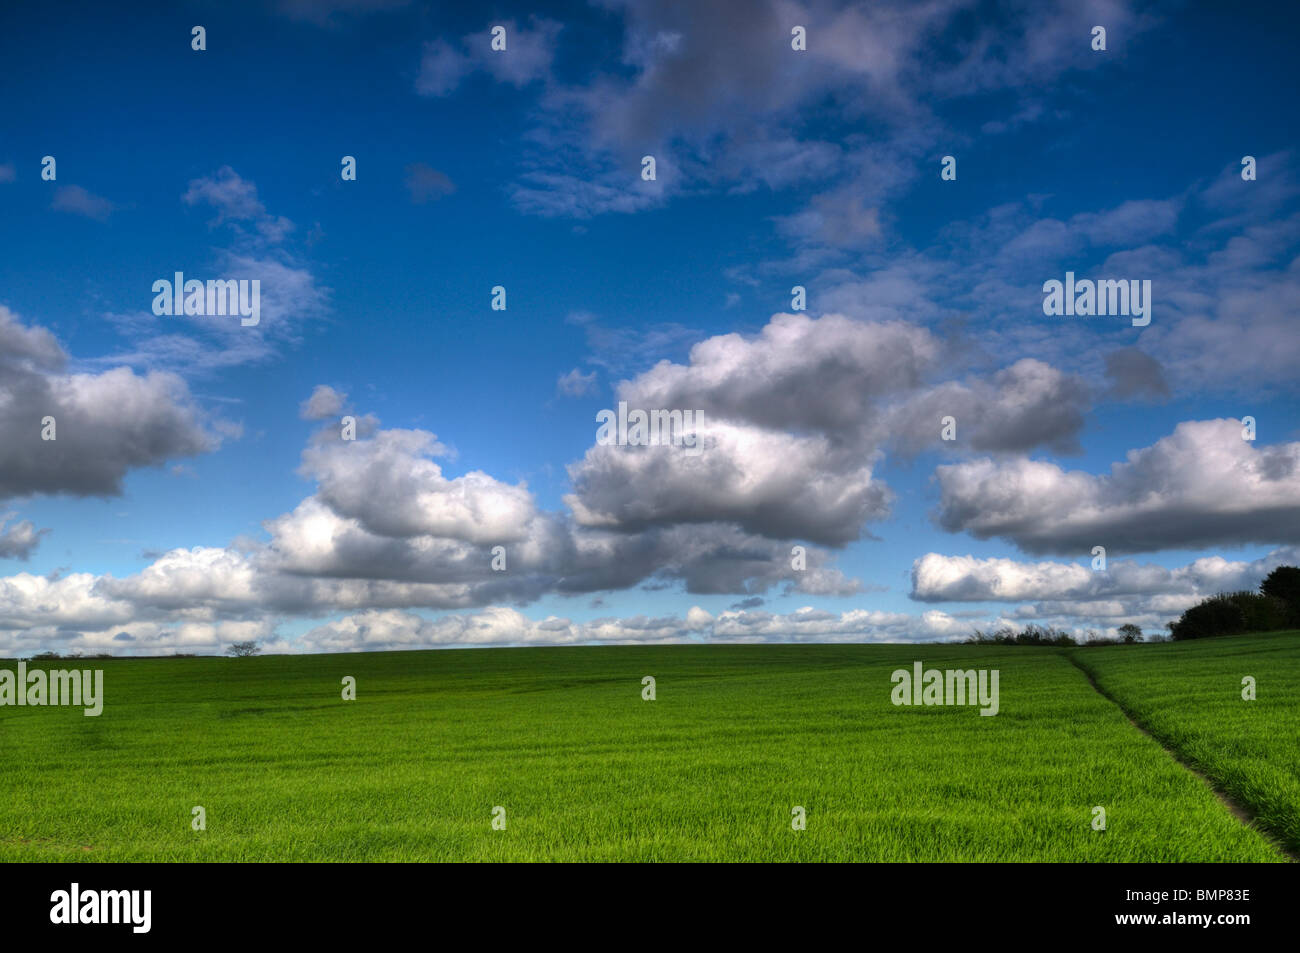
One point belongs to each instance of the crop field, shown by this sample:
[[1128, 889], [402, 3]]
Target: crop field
[[712, 768], [1188, 695]]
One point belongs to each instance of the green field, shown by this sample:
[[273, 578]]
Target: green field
[[710, 770], [1188, 695]]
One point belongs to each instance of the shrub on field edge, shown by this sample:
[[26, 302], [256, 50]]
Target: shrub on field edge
[[1030, 635], [1231, 613]]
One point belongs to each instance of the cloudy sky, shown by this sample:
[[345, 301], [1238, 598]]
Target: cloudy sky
[[199, 490]]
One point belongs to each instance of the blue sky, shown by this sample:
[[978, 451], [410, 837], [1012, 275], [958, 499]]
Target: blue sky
[[191, 498]]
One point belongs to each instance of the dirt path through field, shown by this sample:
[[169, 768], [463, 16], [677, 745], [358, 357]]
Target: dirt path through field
[[1239, 810]]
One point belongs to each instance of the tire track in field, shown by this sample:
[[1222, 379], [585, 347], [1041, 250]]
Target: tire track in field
[[1239, 809]]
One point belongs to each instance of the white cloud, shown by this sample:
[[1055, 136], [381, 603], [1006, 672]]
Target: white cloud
[[795, 421], [104, 424], [575, 383], [19, 540], [324, 402], [768, 482], [940, 578], [391, 629], [1202, 485], [392, 487]]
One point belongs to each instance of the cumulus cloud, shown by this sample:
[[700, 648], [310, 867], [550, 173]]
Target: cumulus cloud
[[203, 597], [392, 629], [782, 445], [793, 423], [1203, 485], [770, 483], [49, 604], [1029, 404], [392, 487], [104, 424], [19, 540], [941, 578], [347, 548], [866, 382], [1026, 405], [799, 373], [324, 402], [333, 554], [797, 418], [197, 579], [1081, 600], [551, 555]]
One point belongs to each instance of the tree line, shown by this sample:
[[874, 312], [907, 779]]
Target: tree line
[[1275, 606]]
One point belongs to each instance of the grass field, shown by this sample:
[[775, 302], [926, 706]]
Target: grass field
[[1189, 696], [710, 770]]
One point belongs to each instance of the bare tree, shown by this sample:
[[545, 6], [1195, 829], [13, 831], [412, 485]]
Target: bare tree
[[244, 649]]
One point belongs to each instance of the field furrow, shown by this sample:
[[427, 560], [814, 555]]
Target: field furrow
[[1190, 697]]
